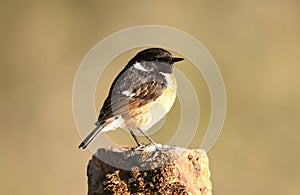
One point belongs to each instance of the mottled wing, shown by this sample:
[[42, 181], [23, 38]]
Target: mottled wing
[[131, 88]]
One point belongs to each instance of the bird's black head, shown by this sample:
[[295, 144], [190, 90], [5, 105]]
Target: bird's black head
[[157, 55], [155, 59]]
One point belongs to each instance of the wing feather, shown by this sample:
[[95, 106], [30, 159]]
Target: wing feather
[[144, 88]]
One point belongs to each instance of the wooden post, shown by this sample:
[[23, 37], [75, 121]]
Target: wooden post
[[164, 170]]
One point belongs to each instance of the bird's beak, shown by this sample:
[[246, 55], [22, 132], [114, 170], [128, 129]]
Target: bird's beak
[[177, 59]]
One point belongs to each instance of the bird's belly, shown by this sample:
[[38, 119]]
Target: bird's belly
[[149, 114], [160, 108]]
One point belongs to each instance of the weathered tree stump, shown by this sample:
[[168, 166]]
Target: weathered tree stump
[[149, 170]]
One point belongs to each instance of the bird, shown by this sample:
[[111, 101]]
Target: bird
[[145, 82]]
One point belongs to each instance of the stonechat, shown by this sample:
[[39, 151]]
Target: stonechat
[[147, 80]]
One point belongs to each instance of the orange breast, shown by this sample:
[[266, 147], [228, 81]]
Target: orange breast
[[147, 115]]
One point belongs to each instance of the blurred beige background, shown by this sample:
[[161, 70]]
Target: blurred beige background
[[255, 43]]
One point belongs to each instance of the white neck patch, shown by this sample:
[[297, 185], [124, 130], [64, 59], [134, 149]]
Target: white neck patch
[[171, 81], [139, 66]]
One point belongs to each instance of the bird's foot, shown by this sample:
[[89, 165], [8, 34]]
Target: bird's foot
[[148, 147]]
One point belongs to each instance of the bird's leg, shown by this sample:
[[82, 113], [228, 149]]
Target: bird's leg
[[135, 138], [147, 136]]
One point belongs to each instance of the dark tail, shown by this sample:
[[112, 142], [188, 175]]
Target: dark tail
[[90, 137]]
